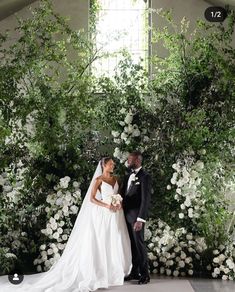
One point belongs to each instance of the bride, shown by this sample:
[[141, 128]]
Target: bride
[[98, 252]]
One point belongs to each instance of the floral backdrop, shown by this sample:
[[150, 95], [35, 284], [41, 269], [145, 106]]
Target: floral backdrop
[[57, 120]]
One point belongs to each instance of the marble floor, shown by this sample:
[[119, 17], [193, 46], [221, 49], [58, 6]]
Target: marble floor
[[168, 284], [171, 284]]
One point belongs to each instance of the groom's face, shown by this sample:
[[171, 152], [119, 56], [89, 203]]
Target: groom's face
[[133, 161]]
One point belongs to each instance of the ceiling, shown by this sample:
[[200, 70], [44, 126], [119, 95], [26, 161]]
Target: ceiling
[[8, 7]]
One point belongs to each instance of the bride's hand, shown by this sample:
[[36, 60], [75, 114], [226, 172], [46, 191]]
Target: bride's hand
[[119, 206], [112, 208]]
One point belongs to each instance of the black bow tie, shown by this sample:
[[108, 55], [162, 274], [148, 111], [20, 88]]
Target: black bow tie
[[133, 171]]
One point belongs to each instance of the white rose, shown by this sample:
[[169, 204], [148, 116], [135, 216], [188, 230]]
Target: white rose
[[56, 235], [47, 263], [50, 251], [222, 257], [178, 191], [75, 184], [188, 260], [43, 247], [44, 258], [65, 209], [122, 123], [182, 206], [60, 230], [124, 136], [176, 273], [190, 213], [199, 165], [61, 246], [49, 231], [136, 133], [74, 209], [61, 223], [155, 264], [190, 272], [56, 216], [54, 226], [181, 264], [129, 118], [189, 237], [187, 202], [65, 237], [115, 134], [146, 139], [35, 262], [117, 152], [230, 263], [177, 249], [162, 270], [68, 197], [181, 215], [214, 275], [168, 272], [122, 110]]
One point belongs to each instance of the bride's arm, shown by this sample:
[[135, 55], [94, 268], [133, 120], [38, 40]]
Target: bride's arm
[[119, 207], [93, 193]]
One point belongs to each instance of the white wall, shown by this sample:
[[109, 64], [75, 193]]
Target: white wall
[[77, 10], [191, 9]]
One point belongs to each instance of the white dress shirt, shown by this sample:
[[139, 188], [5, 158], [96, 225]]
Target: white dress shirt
[[131, 178]]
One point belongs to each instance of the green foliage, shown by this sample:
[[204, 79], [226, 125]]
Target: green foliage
[[187, 108], [47, 104]]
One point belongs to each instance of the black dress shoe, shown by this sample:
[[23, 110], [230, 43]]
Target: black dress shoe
[[144, 280], [132, 277]]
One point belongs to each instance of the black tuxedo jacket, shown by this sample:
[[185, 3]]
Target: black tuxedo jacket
[[136, 200]]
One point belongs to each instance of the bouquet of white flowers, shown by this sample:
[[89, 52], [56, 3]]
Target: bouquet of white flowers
[[116, 199]]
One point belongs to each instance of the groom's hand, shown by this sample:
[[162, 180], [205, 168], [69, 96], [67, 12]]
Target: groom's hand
[[138, 226]]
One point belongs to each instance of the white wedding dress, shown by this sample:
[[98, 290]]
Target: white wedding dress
[[97, 254]]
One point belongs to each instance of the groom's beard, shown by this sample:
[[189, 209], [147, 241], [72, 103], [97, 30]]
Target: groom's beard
[[132, 166]]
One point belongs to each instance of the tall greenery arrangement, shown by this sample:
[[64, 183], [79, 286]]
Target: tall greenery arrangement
[[180, 120], [47, 105]]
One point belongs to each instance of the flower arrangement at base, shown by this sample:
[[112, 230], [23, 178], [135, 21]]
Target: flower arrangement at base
[[172, 252], [224, 262], [62, 204]]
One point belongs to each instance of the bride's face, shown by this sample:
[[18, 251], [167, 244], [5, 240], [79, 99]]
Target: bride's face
[[109, 166]]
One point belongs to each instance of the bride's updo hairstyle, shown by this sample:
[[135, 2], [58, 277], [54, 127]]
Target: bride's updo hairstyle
[[104, 160]]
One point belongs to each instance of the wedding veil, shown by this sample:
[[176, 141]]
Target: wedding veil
[[81, 219]]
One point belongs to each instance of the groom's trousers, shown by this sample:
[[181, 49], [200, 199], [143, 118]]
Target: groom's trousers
[[139, 250]]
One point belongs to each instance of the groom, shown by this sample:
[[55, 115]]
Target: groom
[[136, 191]]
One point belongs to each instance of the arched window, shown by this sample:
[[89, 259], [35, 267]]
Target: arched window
[[121, 24]]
